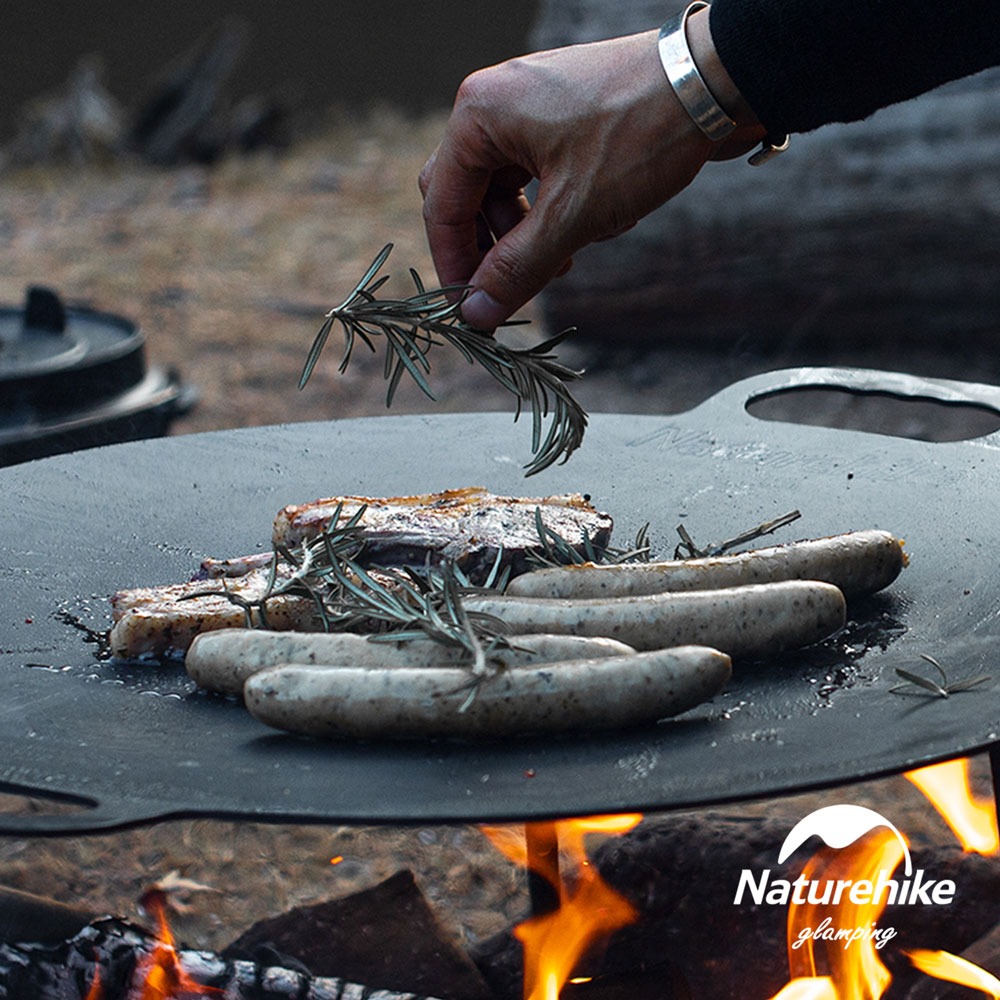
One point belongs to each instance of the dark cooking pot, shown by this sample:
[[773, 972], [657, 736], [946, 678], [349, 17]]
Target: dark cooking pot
[[73, 378]]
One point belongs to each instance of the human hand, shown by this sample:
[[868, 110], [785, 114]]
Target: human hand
[[600, 129]]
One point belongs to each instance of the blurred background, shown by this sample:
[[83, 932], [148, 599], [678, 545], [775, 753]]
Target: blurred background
[[220, 175], [318, 54], [217, 175]]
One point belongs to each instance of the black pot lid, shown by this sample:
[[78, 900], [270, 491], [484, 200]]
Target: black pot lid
[[54, 359], [73, 378]]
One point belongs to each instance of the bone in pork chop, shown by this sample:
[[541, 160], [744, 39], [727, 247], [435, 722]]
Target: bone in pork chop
[[468, 526]]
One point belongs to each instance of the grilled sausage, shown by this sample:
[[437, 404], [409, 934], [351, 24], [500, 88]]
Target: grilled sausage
[[425, 702], [858, 562], [223, 660], [746, 622]]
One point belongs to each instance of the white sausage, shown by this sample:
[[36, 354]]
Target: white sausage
[[745, 622], [858, 562], [223, 660], [410, 702]]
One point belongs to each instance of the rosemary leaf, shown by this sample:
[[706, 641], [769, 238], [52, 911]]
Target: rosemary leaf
[[967, 685], [924, 682], [410, 327]]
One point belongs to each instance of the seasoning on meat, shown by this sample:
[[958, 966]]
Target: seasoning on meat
[[468, 526], [163, 621]]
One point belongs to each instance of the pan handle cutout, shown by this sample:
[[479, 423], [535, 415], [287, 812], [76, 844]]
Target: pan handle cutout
[[919, 418], [880, 402]]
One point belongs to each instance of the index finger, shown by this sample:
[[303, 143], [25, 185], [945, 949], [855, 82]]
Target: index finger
[[455, 181]]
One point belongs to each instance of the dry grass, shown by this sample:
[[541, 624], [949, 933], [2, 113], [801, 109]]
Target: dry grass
[[229, 270]]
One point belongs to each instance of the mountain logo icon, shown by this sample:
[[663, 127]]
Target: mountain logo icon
[[839, 826]]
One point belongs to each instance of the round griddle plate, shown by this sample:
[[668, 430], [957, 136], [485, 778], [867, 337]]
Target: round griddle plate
[[135, 744]]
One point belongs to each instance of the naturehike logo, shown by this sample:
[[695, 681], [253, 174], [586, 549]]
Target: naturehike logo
[[838, 827]]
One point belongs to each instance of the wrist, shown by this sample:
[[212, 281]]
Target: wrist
[[717, 79], [704, 87]]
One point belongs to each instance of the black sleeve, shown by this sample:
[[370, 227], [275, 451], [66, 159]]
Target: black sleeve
[[804, 63]]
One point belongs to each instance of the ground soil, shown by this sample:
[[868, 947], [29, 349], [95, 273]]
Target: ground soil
[[229, 269]]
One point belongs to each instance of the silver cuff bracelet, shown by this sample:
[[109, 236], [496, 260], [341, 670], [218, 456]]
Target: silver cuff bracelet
[[692, 91], [687, 82]]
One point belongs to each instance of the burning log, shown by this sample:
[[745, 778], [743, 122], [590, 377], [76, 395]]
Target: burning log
[[25, 916], [111, 959], [684, 874], [681, 875], [985, 953]]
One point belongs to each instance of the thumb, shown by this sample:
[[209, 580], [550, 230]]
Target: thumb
[[517, 267]]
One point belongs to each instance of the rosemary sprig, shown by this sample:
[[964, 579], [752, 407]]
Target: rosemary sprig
[[686, 549], [410, 327], [557, 550], [944, 689], [393, 604]]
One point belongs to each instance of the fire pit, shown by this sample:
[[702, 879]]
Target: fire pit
[[135, 746]]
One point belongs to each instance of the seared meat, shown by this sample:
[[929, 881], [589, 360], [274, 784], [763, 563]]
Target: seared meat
[[216, 569], [468, 526], [163, 621]]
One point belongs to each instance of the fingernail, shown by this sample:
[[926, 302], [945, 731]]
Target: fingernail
[[482, 312]]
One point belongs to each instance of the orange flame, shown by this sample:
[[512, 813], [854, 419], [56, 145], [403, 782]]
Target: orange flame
[[943, 965], [847, 927], [813, 988], [159, 974], [587, 907], [96, 991], [972, 820], [855, 972]]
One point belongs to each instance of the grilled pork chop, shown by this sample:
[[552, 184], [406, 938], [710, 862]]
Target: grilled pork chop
[[163, 621], [469, 526]]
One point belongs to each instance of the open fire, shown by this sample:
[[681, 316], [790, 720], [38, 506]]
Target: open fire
[[840, 941], [587, 908], [833, 932], [848, 966]]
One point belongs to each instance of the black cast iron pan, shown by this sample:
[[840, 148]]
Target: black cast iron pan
[[137, 745]]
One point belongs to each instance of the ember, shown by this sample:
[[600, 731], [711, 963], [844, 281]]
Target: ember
[[678, 909], [159, 975], [111, 960]]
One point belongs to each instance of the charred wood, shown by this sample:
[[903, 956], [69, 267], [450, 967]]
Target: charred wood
[[682, 875], [25, 916], [114, 952], [985, 953], [387, 935]]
